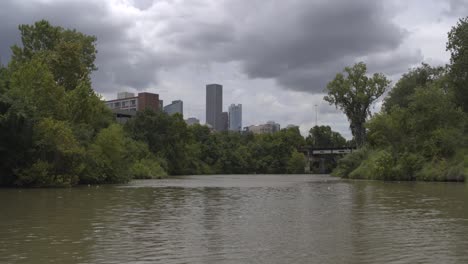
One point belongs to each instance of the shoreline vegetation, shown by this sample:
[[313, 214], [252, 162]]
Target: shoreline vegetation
[[55, 131], [421, 132]]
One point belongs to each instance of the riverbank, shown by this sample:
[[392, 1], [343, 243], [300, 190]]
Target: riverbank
[[375, 164]]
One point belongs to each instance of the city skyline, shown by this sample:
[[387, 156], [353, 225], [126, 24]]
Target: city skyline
[[278, 71]]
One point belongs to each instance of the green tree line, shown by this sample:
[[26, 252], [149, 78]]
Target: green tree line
[[56, 131], [421, 131]]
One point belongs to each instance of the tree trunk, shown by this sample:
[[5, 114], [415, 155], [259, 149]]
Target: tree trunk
[[359, 132]]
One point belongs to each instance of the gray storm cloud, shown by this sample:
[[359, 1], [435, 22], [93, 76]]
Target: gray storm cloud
[[301, 43]]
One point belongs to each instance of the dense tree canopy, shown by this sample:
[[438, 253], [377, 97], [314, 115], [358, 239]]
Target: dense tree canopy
[[325, 137], [416, 78], [457, 45], [69, 54], [54, 129]]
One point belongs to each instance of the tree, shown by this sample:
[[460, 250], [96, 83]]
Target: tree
[[4, 79], [325, 137], [167, 136], [56, 156], [457, 45], [107, 158], [296, 163], [34, 92], [422, 76], [69, 54], [354, 94]]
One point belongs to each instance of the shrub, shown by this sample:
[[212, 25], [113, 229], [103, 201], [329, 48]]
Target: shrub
[[147, 169], [350, 162]]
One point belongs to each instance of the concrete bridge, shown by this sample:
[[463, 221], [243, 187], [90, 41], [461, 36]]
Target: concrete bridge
[[318, 158]]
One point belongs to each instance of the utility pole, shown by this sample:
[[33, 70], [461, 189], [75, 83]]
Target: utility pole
[[316, 114]]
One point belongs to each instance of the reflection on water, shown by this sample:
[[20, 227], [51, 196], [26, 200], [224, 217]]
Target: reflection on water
[[237, 219]]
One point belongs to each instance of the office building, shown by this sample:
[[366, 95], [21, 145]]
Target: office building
[[235, 117], [176, 107], [224, 121], [268, 128], [123, 95], [129, 102], [192, 121], [214, 106]]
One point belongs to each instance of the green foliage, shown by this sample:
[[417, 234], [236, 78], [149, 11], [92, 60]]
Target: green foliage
[[4, 79], [296, 163], [34, 92], [69, 54], [423, 76], [324, 137], [442, 170], [421, 134], [84, 106], [195, 150], [147, 169], [58, 156], [354, 94], [418, 142], [106, 158], [350, 162], [379, 166], [167, 136], [54, 129], [457, 45]]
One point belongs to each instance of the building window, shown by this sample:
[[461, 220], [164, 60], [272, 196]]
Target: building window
[[117, 105], [124, 104], [133, 102]]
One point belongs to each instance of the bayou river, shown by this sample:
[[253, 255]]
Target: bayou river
[[237, 219]]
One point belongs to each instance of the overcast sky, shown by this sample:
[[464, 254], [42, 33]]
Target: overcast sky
[[274, 57]]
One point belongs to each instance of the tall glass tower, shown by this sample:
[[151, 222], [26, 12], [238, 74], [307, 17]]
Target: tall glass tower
[[235, 117], [214, 106]]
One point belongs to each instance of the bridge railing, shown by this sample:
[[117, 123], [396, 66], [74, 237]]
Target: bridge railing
[[327, 151]]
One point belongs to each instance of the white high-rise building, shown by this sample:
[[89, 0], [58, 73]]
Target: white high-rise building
[[235, 117]]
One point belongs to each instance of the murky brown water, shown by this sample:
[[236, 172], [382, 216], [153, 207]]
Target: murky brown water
[[237, 219]]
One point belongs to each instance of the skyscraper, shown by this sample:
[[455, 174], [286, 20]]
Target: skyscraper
[[214, 106], [224, 121], [235, 117]]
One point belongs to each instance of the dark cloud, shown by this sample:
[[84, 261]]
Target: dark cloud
[[299, 43], [316, 40], [121, 59]]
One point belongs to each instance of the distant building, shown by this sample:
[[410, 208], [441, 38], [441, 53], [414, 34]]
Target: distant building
[[224, 121], [274, 126], [235, 117], [123, 95], [161, 104], [214, 106], [192, 121], [176, 107], [268, 128], [129, 102], [292, 126]]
